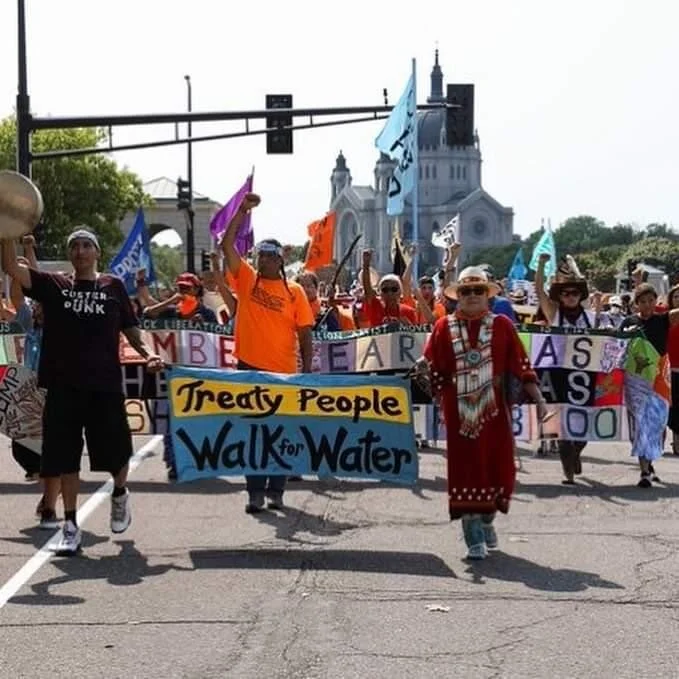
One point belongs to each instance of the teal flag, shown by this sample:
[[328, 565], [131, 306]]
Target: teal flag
[[518, 270], [544, 245]]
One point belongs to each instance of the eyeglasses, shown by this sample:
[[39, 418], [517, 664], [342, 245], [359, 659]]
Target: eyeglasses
[[570, 293], [391, 288], [475, 290]]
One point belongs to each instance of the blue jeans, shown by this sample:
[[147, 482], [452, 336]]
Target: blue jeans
[[261, 485]]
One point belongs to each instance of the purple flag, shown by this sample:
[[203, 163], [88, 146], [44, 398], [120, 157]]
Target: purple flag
[[245, 238]]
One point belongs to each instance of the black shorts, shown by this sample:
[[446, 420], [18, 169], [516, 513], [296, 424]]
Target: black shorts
[[101, 415]]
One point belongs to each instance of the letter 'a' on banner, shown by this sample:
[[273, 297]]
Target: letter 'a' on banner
[[321, 244], [252, 423]]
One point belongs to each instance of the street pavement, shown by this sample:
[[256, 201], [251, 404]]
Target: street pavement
[[353, 580]]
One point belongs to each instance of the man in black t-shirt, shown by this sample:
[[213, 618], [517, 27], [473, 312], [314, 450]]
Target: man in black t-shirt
[[83, 316]]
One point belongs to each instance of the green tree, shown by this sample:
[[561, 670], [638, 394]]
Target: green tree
[[580, 234], [600, 266], [662, 231], [499, 258], [167, 263], [90, 190], [660, 252]]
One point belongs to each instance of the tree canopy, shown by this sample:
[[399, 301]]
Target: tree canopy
[[84, 190], [167, 264], [601, 251]]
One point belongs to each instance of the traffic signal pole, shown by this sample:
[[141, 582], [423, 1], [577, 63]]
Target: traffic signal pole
[[279, 117], [23, 107]]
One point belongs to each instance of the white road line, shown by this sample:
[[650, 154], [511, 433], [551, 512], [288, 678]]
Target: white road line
[[45, 553]]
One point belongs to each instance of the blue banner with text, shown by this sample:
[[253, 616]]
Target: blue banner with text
[[254, 423]]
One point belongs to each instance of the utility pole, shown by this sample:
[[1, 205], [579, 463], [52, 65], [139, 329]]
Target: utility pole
[[23, 108], [190, 214]]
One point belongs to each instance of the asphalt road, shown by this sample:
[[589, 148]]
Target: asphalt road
[[352, 580]]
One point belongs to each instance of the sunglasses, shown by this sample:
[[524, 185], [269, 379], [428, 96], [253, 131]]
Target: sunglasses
[[475, 290], [390, 288], [570, 293]]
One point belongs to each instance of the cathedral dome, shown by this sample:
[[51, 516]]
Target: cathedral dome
[[429, 125]]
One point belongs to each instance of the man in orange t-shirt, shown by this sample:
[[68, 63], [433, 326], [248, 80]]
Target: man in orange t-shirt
[[427, 309], [273, 318]]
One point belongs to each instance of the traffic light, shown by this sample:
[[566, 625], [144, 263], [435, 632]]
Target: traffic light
[[631, 265], [205, 260], [183, 194], [460, 115], [278, 140]]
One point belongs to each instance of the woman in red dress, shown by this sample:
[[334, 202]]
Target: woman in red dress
[[478, 368]]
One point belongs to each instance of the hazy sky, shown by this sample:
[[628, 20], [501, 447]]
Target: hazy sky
[[576, 102]]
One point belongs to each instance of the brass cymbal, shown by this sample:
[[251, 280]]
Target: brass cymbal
[[21, 205]]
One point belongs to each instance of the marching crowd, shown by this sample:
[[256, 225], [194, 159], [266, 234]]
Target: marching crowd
[[474, 363]]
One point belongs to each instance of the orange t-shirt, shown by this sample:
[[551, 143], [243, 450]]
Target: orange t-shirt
[[438, 310], [346, 320], [268, 318]]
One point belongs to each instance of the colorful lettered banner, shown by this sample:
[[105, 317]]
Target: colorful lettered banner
[[21, 402], [252, 423], [585, 375]]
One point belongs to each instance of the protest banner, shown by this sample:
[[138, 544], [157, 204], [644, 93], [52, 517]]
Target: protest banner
[[256, 423], [21, 402], [587, 376]]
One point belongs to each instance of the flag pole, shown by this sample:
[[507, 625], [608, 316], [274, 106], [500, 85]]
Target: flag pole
[[416, 189]]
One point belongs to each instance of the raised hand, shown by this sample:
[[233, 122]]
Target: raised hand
[[250, 201]]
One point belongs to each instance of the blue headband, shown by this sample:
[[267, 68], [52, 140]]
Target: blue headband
[[269, 248]]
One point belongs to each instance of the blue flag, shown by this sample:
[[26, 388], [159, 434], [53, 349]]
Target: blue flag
[[518, 270], [134, 254], [546, 245], [398, 141]]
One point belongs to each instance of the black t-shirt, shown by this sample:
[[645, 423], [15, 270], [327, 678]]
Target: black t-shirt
[[655, 327], [82, 325]]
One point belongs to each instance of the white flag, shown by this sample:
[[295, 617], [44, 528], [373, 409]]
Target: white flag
[[447, 235]]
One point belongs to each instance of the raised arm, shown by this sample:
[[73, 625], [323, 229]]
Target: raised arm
[[422, 305], [13, 268], [450, 264], [229, 240], [407, 278], [143, 294], [222, 287], [29, 251], [547, 305], [368, 291], [154, 310]]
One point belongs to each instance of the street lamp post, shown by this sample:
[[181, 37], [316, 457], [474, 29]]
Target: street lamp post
[[190, 237]]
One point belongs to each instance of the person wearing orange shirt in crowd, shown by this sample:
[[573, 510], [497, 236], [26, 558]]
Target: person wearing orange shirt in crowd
[[358, 311], [386, 308], [423, 298], [273, 317], [337, 319]]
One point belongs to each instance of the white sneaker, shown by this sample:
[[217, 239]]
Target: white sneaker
[[121, 514], [71, 538]]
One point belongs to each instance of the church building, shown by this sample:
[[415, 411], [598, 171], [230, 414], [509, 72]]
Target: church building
[[449, 185]]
